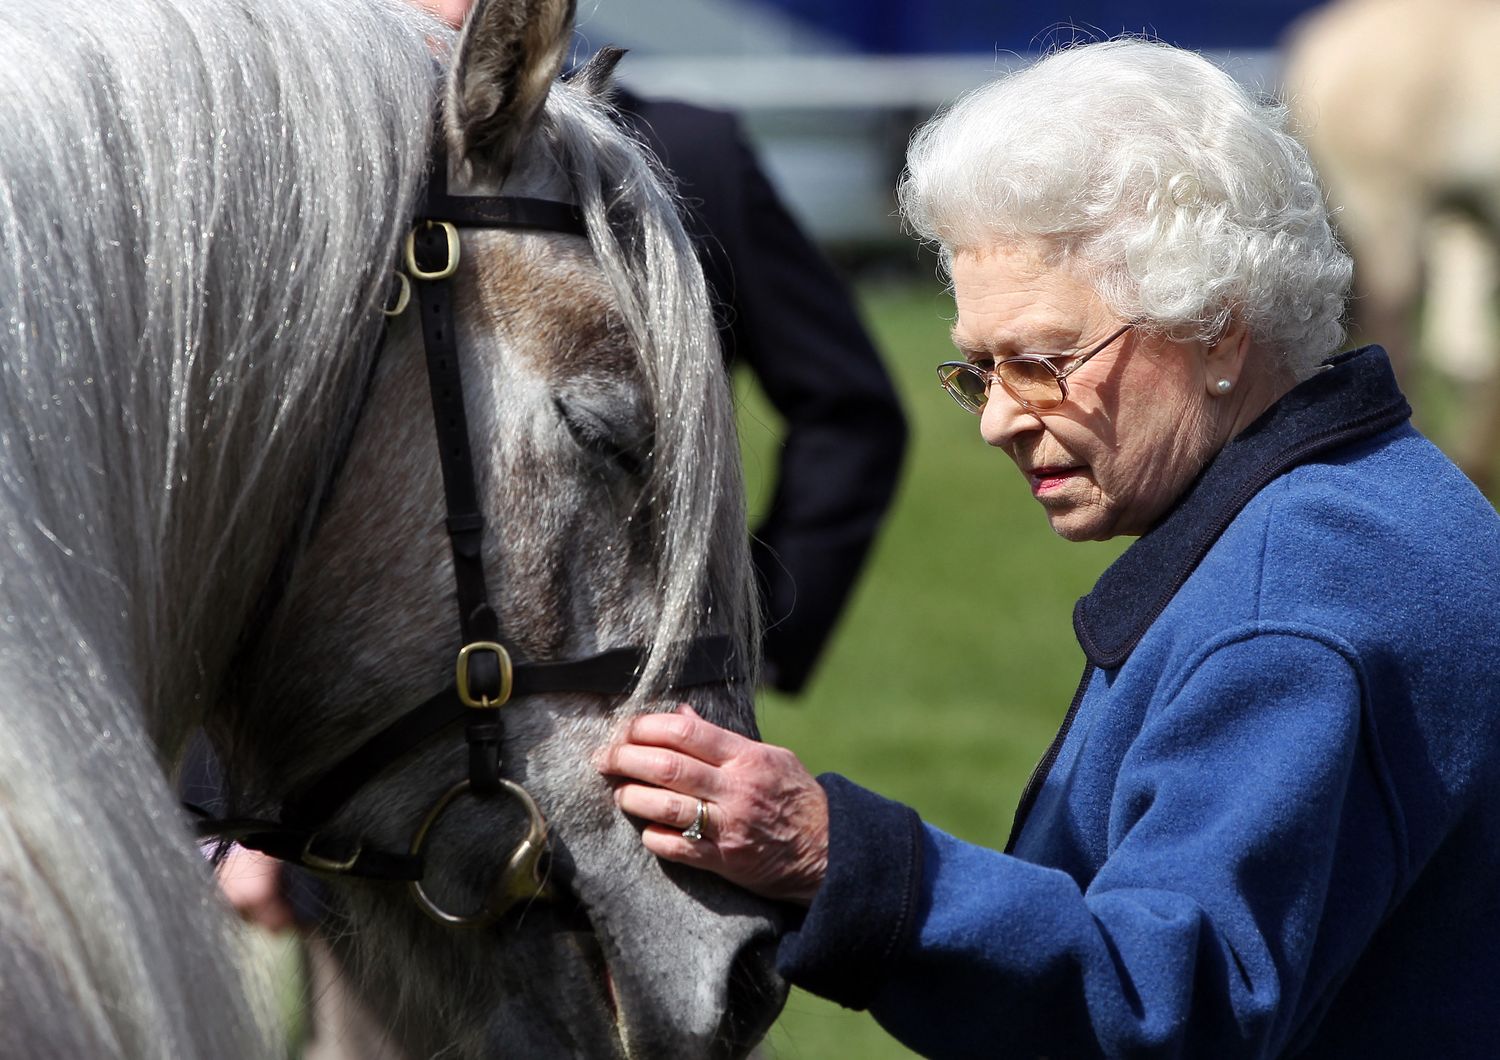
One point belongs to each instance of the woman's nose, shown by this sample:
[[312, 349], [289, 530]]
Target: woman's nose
[[1003, 418]]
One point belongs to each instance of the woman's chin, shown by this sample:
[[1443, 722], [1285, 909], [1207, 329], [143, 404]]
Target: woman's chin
[[1069, 531], [1075, 521]]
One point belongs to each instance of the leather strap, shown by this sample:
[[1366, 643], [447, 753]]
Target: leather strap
[[709, 660], [493, 211], [465, 524], [309, 849], [509, 211]]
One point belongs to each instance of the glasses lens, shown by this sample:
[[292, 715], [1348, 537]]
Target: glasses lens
[[1030, 382], [965, 383]]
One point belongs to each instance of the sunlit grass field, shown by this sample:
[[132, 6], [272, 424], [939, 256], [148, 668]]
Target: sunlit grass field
[[956, 659]]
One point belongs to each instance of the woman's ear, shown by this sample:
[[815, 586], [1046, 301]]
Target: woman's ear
[[1224, 361], [510, 53]]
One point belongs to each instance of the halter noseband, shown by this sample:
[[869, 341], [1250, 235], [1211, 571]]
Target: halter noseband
[[486, 678]]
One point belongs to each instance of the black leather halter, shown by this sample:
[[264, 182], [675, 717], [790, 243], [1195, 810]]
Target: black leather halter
[[485, 676]]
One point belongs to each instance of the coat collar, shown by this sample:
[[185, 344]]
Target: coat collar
[[1355, 397]]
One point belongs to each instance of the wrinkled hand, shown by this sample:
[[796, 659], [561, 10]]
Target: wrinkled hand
[[766, 818], [252, 883]]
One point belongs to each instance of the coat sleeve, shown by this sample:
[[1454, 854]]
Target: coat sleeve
[[1253, 849]]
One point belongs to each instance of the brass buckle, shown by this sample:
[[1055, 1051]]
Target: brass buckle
[[520, 880], [317, 861], [507, 674], [402, 300], [411, 253]]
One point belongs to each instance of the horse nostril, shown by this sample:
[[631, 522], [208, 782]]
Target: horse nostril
[[756, 994]]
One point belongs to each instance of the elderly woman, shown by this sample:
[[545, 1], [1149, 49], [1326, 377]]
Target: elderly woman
[[1271, 820]]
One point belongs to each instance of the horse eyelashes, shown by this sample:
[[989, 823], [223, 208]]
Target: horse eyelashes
[[593, 436]]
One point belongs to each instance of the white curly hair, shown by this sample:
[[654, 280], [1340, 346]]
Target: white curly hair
[[1152, 175]]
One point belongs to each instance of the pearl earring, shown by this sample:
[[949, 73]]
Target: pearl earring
[[1223, 386]]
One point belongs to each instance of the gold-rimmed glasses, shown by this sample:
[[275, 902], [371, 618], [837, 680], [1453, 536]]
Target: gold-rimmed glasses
[[1036, 383]]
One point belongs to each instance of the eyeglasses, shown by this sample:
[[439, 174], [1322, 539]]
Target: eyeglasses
[[1033, 380]]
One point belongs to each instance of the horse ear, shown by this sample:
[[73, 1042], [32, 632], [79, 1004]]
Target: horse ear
[[596, 77], [506, 61]]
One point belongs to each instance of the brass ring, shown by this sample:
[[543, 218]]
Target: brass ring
[[322, 864], [411, 253], [507, 675], [403, 299], [520, 879]]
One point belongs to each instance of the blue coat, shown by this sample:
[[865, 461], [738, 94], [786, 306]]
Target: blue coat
[[1271, 821]]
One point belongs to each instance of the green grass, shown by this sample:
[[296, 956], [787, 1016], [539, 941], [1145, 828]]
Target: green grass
[[956, 659]]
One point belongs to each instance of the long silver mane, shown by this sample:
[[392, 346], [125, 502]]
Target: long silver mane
[[199, 200], [195, 202], [696, 491]]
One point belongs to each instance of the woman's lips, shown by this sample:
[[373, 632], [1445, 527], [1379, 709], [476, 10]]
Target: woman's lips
[[1046, 479]]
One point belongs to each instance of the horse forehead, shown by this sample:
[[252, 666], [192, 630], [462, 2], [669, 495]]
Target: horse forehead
[[549, 286], [554, 299]]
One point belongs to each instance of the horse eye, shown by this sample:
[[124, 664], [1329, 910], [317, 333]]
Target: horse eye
[[593, 435]]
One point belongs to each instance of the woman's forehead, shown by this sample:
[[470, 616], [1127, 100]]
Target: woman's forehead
[[1010, 294]]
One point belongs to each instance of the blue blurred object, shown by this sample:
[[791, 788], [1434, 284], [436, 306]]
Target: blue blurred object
[[896, 27], [830, 90]]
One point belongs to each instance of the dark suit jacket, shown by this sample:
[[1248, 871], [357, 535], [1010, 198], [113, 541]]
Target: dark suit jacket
[[784, 312]]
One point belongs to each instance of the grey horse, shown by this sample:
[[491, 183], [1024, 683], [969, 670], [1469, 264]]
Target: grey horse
[[200, 202]]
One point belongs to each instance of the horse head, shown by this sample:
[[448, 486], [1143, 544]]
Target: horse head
[[604, 464]]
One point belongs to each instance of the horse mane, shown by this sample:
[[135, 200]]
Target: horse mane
[[696, 492], [196, 199]]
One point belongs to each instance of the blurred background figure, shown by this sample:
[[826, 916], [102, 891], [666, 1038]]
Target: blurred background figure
[[1400, 104]]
